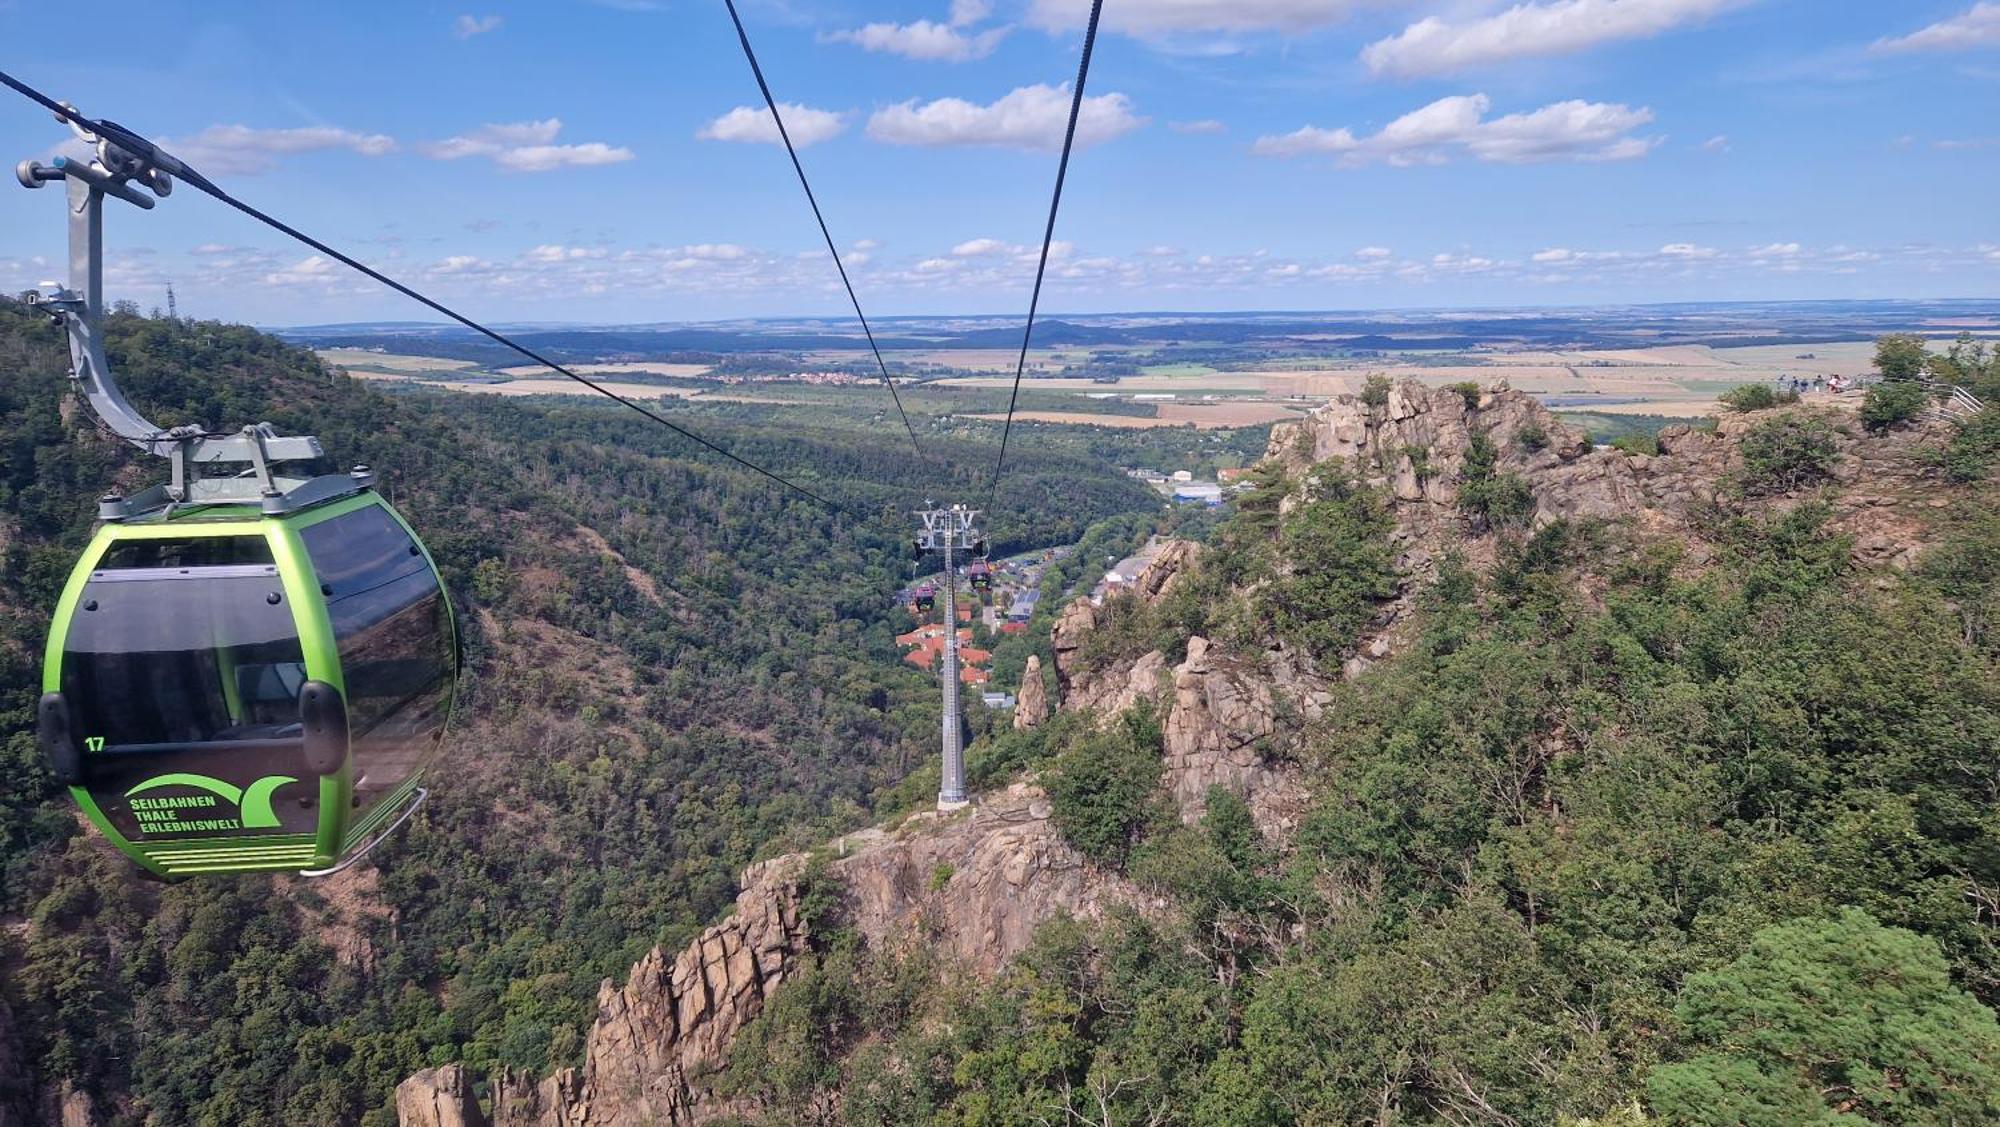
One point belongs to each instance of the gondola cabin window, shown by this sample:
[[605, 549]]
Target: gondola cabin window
[[392, 629]]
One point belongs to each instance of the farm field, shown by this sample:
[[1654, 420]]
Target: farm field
[[1211, 416], [359, 360], [648, 367]]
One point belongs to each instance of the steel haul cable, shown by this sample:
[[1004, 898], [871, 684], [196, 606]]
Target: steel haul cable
[[785, 135], [1048, 236], [139, 146]]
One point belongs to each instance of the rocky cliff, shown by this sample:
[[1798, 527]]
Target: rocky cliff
[[1415, 445], [658, 1041], [978, 882], [1227, 715]]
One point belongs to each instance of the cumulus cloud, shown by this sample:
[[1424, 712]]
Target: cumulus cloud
[[311, 270], [242, 150], [924, 40], [975, 247], [465, 27], [1436, 45], [753, 124], [1572, 130], [1153, 19], [525, 146], [1373, 254], [1978, 27], [1031, 117]]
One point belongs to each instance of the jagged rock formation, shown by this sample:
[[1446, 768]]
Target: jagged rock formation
[[979, 882], [1415, 446], [658, 1041], [1031, 703], [1006, 869], [1147, 679], [1220, 731], [438, 1097], [670, 1026]]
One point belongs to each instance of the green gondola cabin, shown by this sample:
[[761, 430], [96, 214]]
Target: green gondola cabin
[[229, 691]]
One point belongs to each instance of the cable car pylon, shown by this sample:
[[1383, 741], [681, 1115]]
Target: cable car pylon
[[950, 532]]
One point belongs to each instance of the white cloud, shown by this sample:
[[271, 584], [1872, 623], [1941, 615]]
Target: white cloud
[[1572, 130], [525, 146], [1776, 250], [242, 150], [1031, 117], [1205, 125], [1152, 19], [753, 124], [924, 40], [1435, 46], [1162, 250], [555, 252], [1686, 250], [1716, 144], [964, 12], [975, 247], [307, 271], [1373, 254], [465, 27], [1554, 254], [1978, 27]]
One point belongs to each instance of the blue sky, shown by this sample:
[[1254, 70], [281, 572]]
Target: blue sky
[[608, 161]]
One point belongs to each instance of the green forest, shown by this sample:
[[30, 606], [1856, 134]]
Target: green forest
[[1621, 838], [674, 667], [1627, 832]]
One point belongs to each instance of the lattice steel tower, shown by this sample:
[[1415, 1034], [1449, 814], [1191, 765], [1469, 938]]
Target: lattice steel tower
[[951, 532]]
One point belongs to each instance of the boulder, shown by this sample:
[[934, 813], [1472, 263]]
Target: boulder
[[438, 1097]]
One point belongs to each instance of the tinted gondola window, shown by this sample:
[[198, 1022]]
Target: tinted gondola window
[[174, 672], [393, 631]]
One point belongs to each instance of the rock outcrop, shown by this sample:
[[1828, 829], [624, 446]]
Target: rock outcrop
[[977, 883], [659, 1040], [438, 1097], [1118, 690], [1031, 703], [1415, 444], [1221, 731], [660, 1037]]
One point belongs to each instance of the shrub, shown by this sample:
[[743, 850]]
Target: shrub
[[1892, 402], [1532, 436], [1468, 391], [1973, 450], [1646, 444], [1375, 392], [1339, 565], [1901, 356], [1493, 499], [1827, 1021], [1786, 454], [1757, 397], [1104, 787]]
